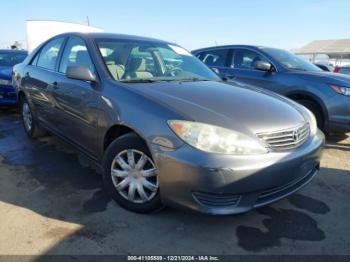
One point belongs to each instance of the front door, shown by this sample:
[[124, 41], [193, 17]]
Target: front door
[[77, 101]]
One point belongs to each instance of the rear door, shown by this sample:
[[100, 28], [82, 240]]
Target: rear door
[[39, 76], [77, 101], [217, 60]]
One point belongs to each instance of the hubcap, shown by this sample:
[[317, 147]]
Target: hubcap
[[134, 176], [27, 116]]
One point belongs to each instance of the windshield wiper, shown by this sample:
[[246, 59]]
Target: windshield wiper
[[193, 79], [139, 81], [296, 68]]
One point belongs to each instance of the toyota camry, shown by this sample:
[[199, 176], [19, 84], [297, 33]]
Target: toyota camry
[[165, 129]]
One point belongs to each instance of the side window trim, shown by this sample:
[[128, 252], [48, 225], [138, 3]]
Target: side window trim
[[229, 58], [35, 58], [60, 54]]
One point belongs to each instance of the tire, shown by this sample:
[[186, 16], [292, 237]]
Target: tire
[[315, 109], [138, 202], [31, 127]]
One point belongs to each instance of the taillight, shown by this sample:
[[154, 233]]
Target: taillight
[[336, 69]]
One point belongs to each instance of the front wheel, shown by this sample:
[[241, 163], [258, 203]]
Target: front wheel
[[314, 108], [31, 127], [130, 175]]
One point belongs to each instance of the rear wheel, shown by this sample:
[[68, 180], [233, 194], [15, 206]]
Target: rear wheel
[[130, 175], [315, 109], [31, 127]]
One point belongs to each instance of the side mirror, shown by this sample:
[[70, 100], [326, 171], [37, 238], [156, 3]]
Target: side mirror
[[80, 73], [263, 66]]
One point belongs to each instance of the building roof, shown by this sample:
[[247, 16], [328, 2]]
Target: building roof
[[340, 46]]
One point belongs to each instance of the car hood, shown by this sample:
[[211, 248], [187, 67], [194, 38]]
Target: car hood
[[324, 77], [6, 73], [230, 106]]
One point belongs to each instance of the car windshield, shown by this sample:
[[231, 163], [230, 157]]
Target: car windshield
[[290, 61], [145, 61], [8, 59]]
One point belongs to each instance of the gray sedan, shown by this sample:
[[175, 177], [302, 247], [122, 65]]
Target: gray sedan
[[163, 128]]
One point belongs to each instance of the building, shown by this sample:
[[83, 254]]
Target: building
[[335, 52], [39, 31]]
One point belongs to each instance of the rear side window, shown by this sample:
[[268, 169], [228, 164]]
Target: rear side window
[[76, 54], [49, 54], [214, 57], [245, 59]]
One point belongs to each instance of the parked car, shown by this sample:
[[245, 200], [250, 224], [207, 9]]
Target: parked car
[[342, 70], [8, 58], [164, 128], [323, 93], [325, 67]]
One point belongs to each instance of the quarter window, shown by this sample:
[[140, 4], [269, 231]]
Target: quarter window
[[245, 59], [76, 54], [49, 54], [214, 57]]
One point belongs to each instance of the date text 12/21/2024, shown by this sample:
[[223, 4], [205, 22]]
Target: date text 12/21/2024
[[173, 258]]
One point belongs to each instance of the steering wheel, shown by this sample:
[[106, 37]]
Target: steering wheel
[[174, 71]]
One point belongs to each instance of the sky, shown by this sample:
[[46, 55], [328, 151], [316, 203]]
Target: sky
[[191, 23]]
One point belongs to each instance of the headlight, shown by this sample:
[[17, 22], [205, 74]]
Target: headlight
[[5, 82], [216, 139], [341, 90], [312, 121]]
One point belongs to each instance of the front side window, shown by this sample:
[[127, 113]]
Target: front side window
[[214, 58], [245, 59], [289, 60], [9, 59], [75, 54], [49, 54], [134, 60]]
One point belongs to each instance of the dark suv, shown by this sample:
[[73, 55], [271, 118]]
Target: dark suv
[[324, 93]]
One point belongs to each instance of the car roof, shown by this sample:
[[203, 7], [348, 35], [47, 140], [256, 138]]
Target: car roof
[[13, 51], [114, 36], [229, 46]]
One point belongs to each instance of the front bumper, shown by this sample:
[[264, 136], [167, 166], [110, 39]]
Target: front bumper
[[223, 184], [7, 95], [339, 114]]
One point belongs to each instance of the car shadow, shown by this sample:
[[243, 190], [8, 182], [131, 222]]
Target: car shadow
[[50, 178], [338, 142]]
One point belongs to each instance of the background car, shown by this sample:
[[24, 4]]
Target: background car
[[342, 70], [325, 94], [9, 58], [164, 129], [325, 67]]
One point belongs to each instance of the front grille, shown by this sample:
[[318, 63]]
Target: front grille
[[286, 139], [215, 200]]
